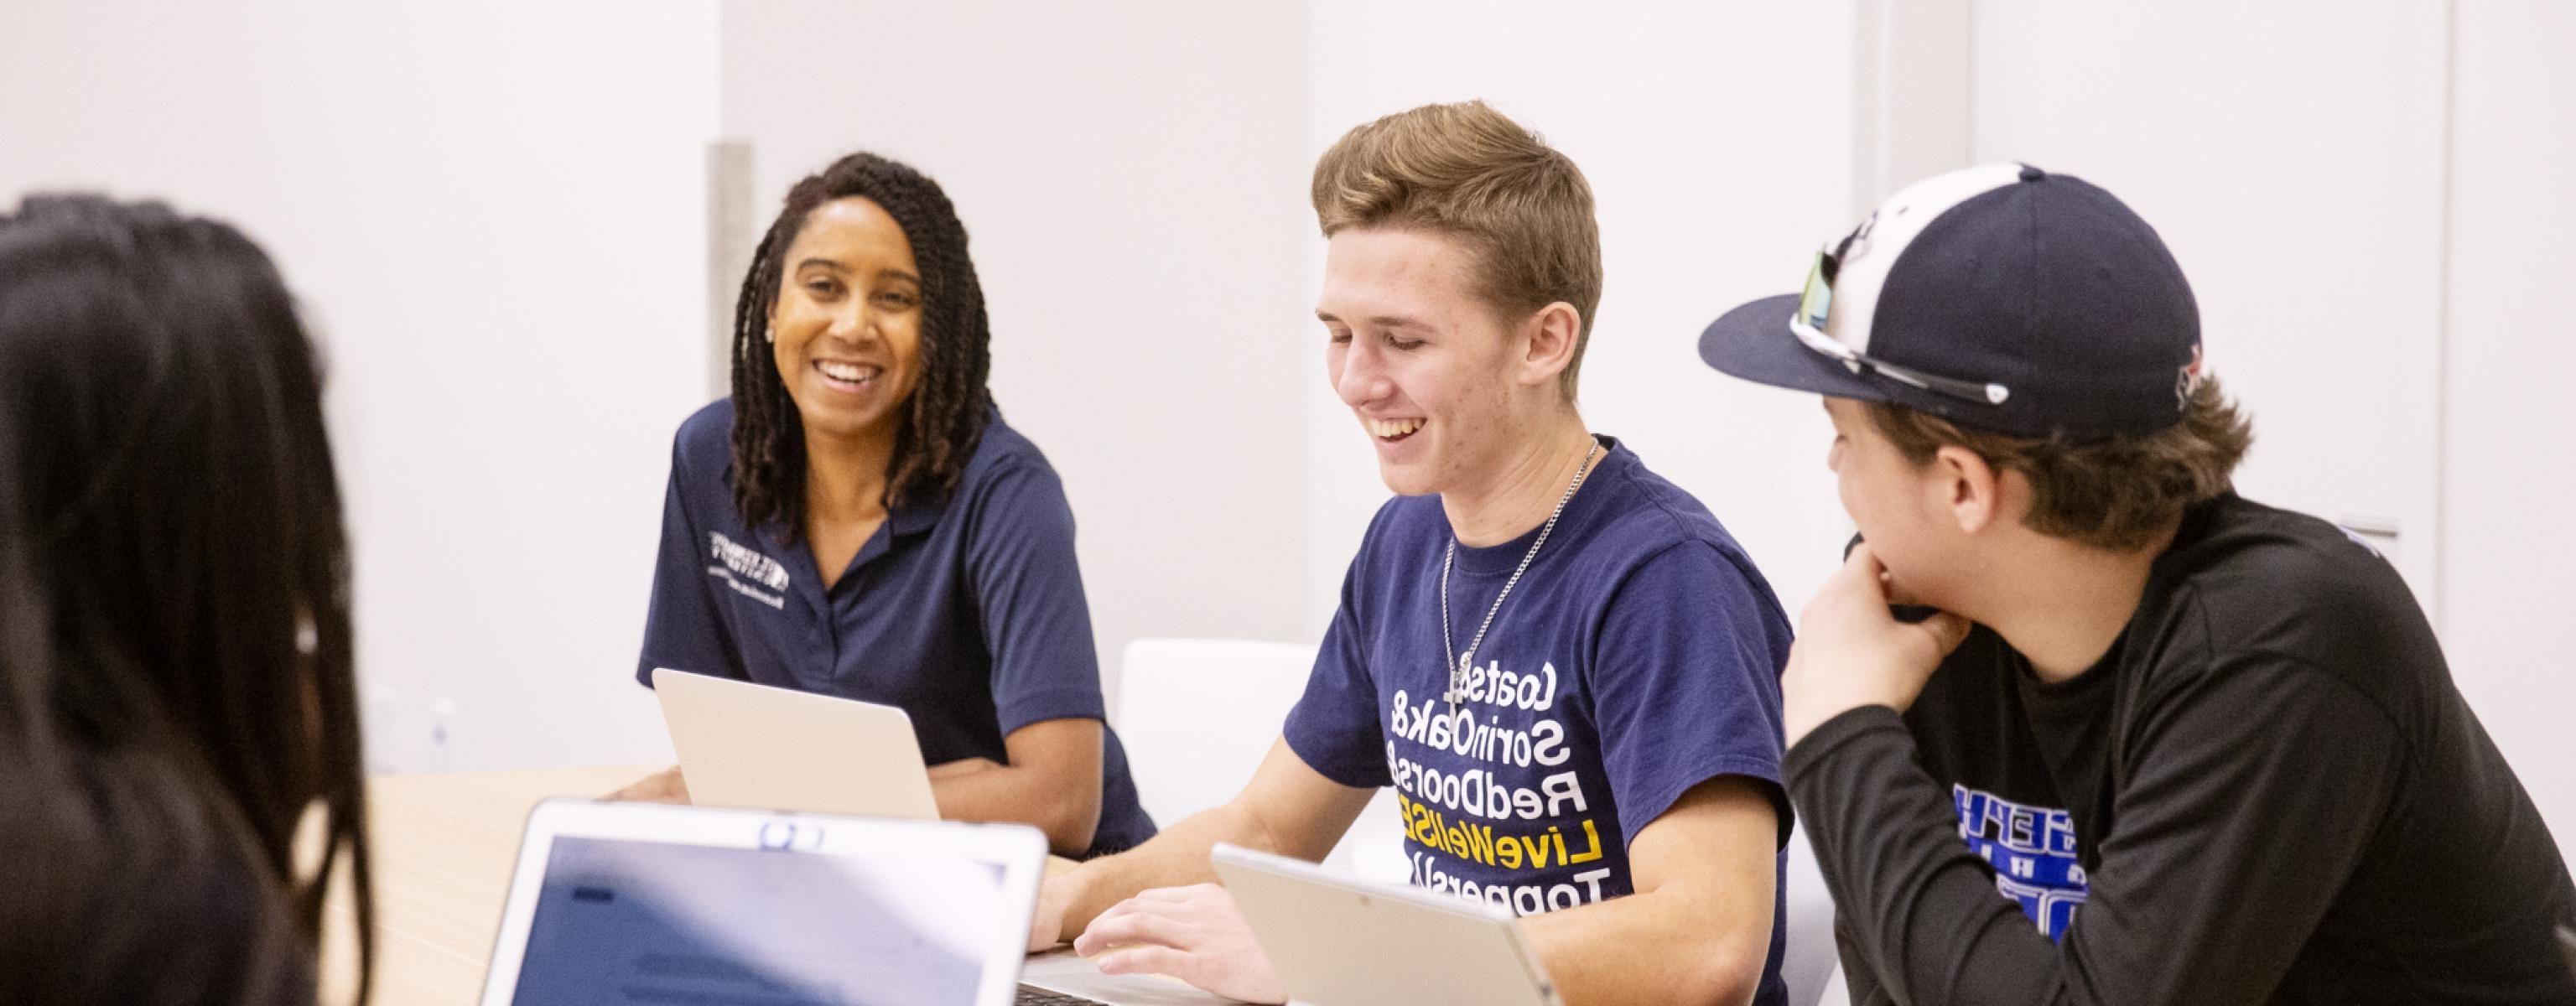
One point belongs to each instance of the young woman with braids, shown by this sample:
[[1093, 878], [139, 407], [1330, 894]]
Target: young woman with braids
[[176, 693], [856, 520]]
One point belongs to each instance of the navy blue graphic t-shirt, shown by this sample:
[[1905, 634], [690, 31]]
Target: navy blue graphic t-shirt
[[967, 612], [1639, 656]]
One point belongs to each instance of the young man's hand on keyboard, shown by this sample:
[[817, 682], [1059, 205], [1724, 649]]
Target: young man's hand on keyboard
[[1191, 933]]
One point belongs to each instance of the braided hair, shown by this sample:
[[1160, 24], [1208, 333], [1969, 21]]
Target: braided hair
[[950, 402]]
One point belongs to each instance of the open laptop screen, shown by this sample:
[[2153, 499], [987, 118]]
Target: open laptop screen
[[623, 921]]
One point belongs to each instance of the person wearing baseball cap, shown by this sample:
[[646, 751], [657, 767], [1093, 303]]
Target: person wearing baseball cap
[[2125, 736]]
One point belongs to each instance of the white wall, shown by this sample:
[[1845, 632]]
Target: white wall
[[493, 210], [2509, 430], [1130, 176], [1718, 139], [2291, 156]]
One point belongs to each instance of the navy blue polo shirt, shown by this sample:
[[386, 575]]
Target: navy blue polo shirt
[[966, 612], [1639, 656]]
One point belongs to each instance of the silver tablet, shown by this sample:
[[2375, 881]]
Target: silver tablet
[[1336, 941], [632, 902], [755, 746]]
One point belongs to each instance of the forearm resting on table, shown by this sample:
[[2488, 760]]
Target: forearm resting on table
[[1645, 948], [1065, 808], [1176, 857], [1287, 808], [972, 789], [1052, 781], [666, 786]]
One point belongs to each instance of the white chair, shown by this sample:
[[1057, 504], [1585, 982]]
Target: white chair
[[1197, 715], [1811, 965], [1836, 992]]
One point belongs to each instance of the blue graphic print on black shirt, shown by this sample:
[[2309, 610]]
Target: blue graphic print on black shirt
[[2033, 852]]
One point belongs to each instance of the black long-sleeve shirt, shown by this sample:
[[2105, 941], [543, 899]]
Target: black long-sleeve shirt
[[2267, 791]]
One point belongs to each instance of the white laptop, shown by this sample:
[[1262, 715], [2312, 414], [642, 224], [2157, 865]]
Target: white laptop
[[761, 748], [754, 746], [1335, 941], [633, 902]]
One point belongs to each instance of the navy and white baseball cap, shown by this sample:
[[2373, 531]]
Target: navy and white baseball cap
[[2001, 297]]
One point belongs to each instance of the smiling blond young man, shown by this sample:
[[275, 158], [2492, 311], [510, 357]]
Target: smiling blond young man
[[1564, 666]]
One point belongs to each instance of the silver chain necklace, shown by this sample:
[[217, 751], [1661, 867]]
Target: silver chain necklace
[[1458, 662]]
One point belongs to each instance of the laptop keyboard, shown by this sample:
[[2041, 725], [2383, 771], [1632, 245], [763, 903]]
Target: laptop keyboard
[[1031, 995]]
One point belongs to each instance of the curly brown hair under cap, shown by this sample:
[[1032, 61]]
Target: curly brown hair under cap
[[2114, 494], [951, 403]]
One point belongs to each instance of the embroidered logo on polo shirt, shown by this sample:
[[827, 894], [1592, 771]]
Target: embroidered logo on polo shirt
[[737, 564]]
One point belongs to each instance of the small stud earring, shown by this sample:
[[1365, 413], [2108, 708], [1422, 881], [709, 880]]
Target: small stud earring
[[771, 335]]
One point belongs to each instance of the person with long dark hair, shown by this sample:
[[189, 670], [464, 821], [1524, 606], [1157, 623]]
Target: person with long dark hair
[[856, 519], [176, 690]]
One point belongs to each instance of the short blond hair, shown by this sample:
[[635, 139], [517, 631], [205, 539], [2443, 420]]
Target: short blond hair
[[1471, 173]]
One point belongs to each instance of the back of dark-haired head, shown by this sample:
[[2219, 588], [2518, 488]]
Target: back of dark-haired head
[[175, 523], [949, 405]]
